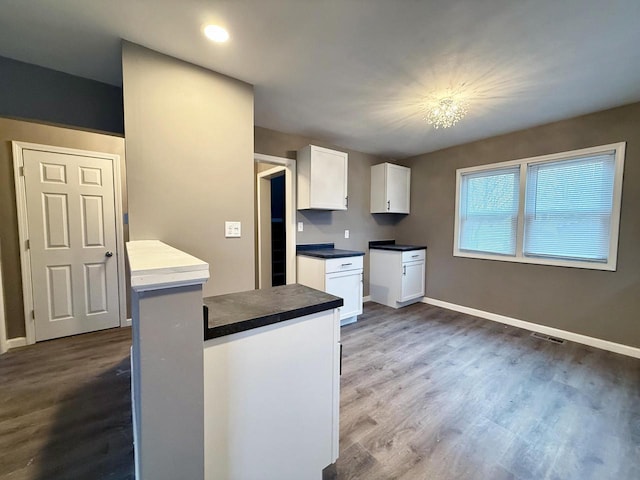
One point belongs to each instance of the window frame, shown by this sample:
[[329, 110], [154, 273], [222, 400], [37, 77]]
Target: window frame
[[519, 257]]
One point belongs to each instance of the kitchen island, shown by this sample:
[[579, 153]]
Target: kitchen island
[[271, 383], [252, 393]]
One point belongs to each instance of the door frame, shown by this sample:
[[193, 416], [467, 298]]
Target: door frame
[[265, 176], [23, 226], [290, 210], [4, 346]]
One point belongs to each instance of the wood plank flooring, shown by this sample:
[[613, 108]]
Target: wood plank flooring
[[427, 393], [65, 409]]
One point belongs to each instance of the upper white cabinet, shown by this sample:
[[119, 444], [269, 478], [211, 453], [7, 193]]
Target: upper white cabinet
[[390, 188], [322, 179]]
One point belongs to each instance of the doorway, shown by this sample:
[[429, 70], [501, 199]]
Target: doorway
[[278, 232], [69, 206], [275, 220]]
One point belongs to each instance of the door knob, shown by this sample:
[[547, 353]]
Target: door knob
[[108, 254]]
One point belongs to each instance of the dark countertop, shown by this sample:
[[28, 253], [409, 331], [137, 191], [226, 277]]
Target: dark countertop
[[237, 312], [391, 245], [325, 250]]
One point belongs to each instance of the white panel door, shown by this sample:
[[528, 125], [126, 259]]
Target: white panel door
[[347, 285], [72, 237], [412, 280]]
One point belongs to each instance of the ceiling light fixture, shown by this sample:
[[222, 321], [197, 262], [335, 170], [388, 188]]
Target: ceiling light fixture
[[216, 33], [445, 112]]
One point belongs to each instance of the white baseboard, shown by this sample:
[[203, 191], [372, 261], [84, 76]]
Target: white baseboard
[[366, 299], [16, 342], [555, 332], [126, 323]]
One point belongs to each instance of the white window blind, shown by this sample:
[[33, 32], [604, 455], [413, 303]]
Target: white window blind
[[568, 208], [560, 209], [489, 211]]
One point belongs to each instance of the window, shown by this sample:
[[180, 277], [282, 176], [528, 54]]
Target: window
[[560, 209]]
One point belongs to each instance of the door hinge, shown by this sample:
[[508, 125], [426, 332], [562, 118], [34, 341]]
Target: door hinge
[[27, 244], [33, 314], [21, 171]]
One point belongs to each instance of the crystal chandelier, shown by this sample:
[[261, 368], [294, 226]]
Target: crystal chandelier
[[445, 112]]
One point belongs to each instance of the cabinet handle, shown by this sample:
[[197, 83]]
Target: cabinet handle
[[415, 256], [346, 201], [388, 204], [346, 264], [404, 270], [340, 359]]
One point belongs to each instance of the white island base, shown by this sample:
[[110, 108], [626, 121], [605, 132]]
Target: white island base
[[268, 411], [250, 393]]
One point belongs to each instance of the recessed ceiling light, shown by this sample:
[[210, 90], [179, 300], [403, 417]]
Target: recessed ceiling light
[[216, 33]]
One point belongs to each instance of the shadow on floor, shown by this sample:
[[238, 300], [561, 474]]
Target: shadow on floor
[[91, 433]]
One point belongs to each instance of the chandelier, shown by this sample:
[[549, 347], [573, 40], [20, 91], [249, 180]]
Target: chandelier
[[445, 112]]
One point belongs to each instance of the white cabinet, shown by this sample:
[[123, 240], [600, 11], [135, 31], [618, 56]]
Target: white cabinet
[[412, 280], [397, 278], [347, 285], [322, 179], [390, 188], [272, 399], [341, 277]]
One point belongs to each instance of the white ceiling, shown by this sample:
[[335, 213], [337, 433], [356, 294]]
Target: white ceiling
[[354, 72]]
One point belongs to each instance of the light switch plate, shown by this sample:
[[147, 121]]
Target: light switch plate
[[232, 229], [346, 234], [300, 226]]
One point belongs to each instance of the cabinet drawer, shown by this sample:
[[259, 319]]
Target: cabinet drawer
[[343, 264], [413, 255]]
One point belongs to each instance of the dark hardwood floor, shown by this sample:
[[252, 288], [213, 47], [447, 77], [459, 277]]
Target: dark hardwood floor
[[65, 409], [427, 393]]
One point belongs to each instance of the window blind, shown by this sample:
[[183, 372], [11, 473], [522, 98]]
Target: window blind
[[489, 202], [568, 208]]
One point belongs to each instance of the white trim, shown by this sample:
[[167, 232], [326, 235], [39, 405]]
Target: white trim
[[366, 299], [614, 228], [262, 158], [16, 342], [126, 323], [3, 326], [555, 332], [23, 227], [290, 200]]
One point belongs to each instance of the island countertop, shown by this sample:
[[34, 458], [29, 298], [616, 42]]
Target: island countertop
[[238, 312]]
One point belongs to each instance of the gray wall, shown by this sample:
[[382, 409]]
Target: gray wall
[[328, 226], [47, 135], [190, 161], [38, 93], [596, 303]]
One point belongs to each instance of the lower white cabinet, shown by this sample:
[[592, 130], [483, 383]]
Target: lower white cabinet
[[272, 399], [341, 277], [397, 278]]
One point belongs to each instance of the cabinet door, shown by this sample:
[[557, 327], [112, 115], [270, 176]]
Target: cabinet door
[[412, 280], [398, 193], [347, 285], [328, 186]]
